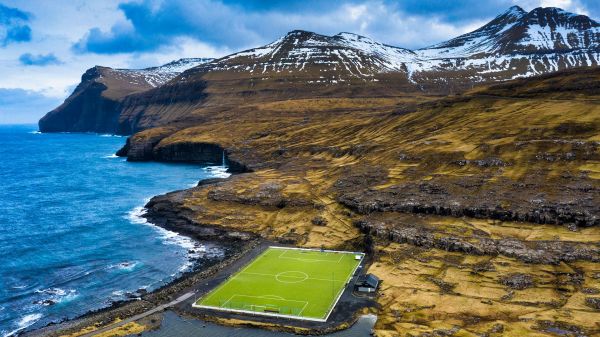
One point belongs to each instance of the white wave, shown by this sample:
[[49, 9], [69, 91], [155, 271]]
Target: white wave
[[25, 322], [109, 135], [167, 236], [111, 156], [127, 266], [35, 132], [194, 250], [71, 295], [217, 171], [118, 293], [56, 295], [136, 215], [52, 291]]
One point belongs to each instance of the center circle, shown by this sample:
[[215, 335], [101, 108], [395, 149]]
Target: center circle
[[291, 277]]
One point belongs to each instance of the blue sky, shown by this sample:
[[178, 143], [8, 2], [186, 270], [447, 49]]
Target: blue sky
[[45, 46]]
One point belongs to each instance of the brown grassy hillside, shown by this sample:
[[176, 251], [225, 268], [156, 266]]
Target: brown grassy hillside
[[481, 210]]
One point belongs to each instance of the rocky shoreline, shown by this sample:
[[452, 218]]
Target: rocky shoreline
[[235, 245], [168, 211], [122, 309]]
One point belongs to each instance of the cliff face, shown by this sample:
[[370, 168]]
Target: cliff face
[[97, 102], [86, 109]]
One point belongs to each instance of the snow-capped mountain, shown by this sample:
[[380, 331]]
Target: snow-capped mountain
[[156, 76], [337, 57], [303, 64], [514, 44], [518, 44]]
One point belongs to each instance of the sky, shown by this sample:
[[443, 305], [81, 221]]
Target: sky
[[45, 46]]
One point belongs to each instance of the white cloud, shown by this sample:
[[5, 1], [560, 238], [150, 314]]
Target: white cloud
[[574, 6]]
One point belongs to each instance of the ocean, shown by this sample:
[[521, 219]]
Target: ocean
[[71, 235]]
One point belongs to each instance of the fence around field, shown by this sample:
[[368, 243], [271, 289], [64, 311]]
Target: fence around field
[[275, 306]]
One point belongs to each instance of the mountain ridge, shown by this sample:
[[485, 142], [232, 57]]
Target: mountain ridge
[[514, 44]]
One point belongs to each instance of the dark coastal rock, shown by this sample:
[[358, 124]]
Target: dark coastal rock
[[190, 152], [86, 110], [471, 198], [593, 302], [148, 148], [141, 148], [267, 195], [168, 211], [546, 252], [319, 221], [210, 181], [517, 281], [46, 302], [590, 291]]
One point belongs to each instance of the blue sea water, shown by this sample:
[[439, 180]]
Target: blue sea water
[[71, 238]]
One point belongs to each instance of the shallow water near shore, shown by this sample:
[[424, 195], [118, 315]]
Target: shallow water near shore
[[71, 236], [174, 325]]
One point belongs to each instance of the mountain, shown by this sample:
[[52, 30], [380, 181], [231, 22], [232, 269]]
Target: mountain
[[304, 64], [340, 57], [514, 44], [517, 44], [95, 103]]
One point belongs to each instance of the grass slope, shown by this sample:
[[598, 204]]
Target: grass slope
[[526, 144]]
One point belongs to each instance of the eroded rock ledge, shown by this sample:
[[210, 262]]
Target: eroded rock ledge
[[169, 211], [574, 204], [545, 252], [147, 149]]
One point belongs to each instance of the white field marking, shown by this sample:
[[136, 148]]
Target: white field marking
[[343, 288], [232, 277], [225, 304], [267, 298], [317, 250], [274, 296], [195, 305], [260, 313], [281, 256], [304, 307], [300, 278], [310, 278]]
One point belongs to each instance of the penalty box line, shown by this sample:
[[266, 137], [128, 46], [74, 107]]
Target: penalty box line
[[272, 298], [308, 278], [281, 256]]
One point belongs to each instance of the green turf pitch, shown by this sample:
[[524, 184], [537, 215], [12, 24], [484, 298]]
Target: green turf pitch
[[288, 282]]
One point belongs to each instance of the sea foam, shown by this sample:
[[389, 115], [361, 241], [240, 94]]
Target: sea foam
[[25, 322], [194, 249], [217, 171]]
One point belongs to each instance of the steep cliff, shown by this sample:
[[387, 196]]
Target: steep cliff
[[96, 104]]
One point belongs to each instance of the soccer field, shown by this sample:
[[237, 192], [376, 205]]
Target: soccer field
[[286, 282]]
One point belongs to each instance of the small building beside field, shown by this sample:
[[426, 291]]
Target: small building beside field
[[367, 283]]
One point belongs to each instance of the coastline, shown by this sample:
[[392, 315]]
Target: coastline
[[122, 309], [196, 268], [166, 211]]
